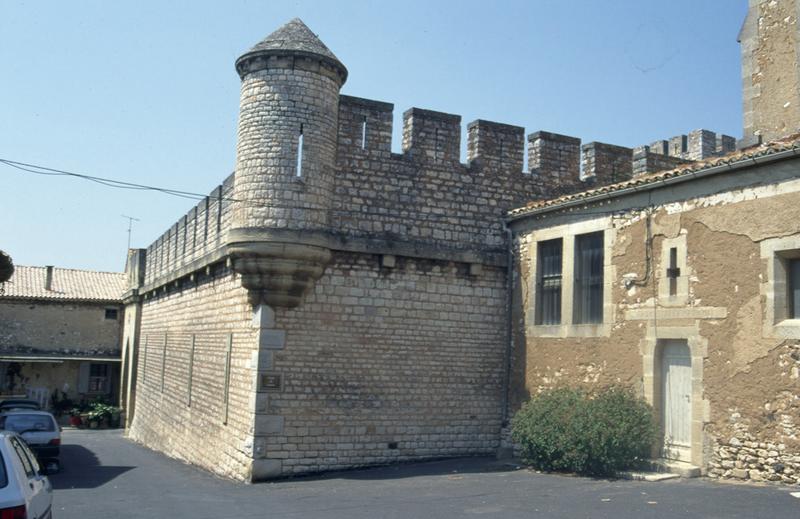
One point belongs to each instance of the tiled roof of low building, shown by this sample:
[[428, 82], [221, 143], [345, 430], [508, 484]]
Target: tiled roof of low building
[[66, 284], [651, 180]]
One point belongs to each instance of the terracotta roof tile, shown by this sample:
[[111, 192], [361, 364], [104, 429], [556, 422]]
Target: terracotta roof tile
[[788, 143], [67, 284]]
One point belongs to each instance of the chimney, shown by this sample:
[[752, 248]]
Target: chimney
[[48, 280]]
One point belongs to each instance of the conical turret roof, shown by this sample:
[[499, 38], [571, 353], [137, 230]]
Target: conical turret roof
[[294, 38]]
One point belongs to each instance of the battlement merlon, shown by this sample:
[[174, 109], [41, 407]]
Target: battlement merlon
[[606, 163], [430, 135], [725, 144], [660, 147], [701, 144], [645, 160], [365, 124], [554, 159], [678, 146], [495, 145]]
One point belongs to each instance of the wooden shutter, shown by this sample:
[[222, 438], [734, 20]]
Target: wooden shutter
[[83, 377]]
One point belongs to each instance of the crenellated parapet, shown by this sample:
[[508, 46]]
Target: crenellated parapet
[[196, 236], [425, 201], [696, 145]]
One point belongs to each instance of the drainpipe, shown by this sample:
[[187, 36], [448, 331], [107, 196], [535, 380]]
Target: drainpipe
[[48, 280]]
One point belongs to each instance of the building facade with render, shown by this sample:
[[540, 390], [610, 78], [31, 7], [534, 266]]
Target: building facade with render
[[333, 304], [60, 332]]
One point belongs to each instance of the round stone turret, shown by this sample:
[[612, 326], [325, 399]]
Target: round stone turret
[[286, 150]]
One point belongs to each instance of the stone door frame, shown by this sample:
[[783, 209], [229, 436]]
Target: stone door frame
[[698, 348]]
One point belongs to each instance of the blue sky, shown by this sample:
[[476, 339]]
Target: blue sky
[[146, 91]]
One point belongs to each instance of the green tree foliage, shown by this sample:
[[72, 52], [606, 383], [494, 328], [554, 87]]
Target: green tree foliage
[[596, 434], [6, 267]]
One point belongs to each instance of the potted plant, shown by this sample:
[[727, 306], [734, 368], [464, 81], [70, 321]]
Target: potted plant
[[102, 415], [95, 418], [75, 417], [114, 419]]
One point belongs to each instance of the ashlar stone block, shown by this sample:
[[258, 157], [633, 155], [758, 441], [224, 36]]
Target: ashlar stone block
[[271, 339], [263, 317]]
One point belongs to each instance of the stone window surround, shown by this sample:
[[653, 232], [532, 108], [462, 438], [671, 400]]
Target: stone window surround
[[568, 232], [681, 298], [775, 252]]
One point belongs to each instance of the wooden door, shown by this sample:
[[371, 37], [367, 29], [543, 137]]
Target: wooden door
[[676, 388]]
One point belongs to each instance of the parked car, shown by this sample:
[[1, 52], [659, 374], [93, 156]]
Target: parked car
[[39, 429], [25, 492], [19, 403]]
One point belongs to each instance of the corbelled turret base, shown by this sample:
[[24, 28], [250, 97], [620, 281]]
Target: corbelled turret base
[[275, 272]]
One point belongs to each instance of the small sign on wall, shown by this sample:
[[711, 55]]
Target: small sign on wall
[[270, 382]]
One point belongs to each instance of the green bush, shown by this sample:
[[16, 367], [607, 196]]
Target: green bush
[[596, 434]]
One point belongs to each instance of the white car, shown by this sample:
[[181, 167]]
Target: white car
[[25, 493], [39, 429]]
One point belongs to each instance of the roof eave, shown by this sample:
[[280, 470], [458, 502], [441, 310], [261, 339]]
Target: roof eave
[[59, 299]]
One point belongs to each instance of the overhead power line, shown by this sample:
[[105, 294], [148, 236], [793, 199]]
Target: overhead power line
[[108, 182]]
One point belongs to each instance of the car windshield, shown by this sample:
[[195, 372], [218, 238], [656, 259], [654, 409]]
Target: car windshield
[[27, 422]]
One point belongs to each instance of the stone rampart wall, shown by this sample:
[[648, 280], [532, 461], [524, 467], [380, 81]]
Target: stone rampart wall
[[181, 406], [382, 362], [385, 364]]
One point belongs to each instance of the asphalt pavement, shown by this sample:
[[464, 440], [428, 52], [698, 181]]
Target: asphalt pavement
[[105, 475]]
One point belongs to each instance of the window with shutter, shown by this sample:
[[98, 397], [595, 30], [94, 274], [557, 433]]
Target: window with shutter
[[83, 377]]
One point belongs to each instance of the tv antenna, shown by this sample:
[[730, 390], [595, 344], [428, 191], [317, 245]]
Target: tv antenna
[[131, 219]]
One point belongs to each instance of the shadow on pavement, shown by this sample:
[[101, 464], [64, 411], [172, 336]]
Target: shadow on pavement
[[447, 467], [80, 468]]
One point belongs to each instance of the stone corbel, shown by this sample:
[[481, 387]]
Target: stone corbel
[[275, 271]]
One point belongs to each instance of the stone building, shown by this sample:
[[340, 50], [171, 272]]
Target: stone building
[[333, 304], [684, 284], [60, 330]]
